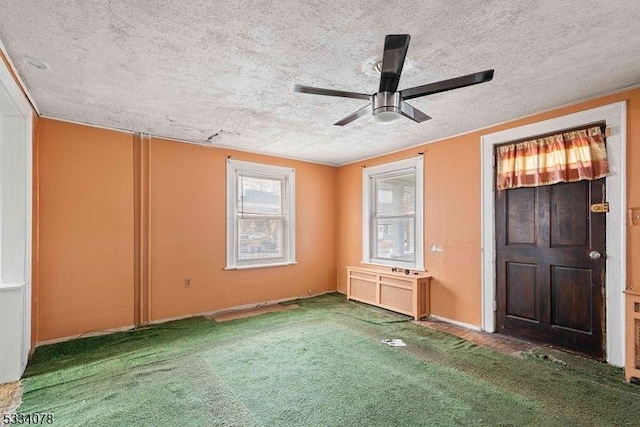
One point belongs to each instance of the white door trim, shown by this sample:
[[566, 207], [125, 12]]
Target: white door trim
[[16, 159], [615, 116]]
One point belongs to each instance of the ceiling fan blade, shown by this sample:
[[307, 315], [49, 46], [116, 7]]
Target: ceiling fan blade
[[395, 50], [445, 85], [351, 117], [330, 92], [413, 113]]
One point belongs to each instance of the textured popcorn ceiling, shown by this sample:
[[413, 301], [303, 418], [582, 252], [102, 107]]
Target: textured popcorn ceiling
[[222, 72]]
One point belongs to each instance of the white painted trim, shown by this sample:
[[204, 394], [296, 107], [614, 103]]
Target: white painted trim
[[367, 174], [289, 175], [11, 286], [375, 264], [455, 322], [248, 267], [615, 116], [17, 189], [76, 122], [23, 87], [14, 92]]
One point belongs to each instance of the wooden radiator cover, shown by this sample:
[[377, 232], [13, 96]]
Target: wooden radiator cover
[[395, 291], [632, 363]]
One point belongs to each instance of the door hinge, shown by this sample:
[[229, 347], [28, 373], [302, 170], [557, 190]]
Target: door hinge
[[600, 207], [495, 305]]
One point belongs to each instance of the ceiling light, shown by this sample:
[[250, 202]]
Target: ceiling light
[[386, 107], [35, 62], [386, 117]]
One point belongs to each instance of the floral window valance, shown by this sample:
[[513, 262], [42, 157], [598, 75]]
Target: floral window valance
[[565, 157]]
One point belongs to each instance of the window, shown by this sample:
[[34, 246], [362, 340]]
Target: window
[[393, 214], [260, 215]]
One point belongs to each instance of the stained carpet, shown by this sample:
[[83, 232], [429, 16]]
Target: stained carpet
[[234, 315], [322, 364]]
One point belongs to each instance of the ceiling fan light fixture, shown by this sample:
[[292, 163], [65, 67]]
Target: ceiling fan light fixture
[[386, 117], [386, 107]]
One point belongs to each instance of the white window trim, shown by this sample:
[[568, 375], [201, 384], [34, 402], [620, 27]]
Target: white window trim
[[615, 116], [367, 173], [232, 238]]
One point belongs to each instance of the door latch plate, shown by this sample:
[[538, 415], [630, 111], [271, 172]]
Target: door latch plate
[[600, 207]]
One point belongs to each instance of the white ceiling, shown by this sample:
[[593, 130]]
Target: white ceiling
[[187, 69]]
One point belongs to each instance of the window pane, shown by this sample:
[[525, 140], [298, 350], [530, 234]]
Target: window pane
[[393, 214], [260, 238], [259, 195], [260, 214], [395, 194], [394, 219], [395, 239]]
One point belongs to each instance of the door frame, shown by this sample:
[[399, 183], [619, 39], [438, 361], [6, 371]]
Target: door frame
[[16, 118], [615, 117]]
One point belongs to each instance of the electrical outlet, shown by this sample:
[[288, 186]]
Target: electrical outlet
[[187, 282]]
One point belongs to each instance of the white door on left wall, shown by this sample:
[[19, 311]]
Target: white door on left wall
[[15, 228]]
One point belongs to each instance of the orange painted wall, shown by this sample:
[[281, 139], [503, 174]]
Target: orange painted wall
[[85, 229], [188, 229], [85, 271], [452, 210]]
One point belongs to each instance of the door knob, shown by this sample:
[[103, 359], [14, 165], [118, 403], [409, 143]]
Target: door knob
[[595, 255]]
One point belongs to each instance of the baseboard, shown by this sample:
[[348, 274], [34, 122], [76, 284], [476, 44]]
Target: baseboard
[[170, 319], [455, 322], [238, 308], [86, 335]]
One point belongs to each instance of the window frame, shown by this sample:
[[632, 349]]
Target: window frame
[[288, 175], [368, 210]]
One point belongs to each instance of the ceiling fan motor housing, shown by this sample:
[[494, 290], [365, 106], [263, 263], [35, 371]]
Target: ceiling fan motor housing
[[386, 106], [386, 102]]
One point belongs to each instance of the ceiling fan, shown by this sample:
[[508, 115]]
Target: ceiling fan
[[388, 104]]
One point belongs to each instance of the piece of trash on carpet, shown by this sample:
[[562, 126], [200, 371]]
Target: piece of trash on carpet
[[394, 342]]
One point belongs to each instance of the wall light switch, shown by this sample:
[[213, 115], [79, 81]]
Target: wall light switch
[[635, 216]]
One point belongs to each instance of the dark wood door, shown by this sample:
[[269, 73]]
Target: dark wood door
[[549, 289]]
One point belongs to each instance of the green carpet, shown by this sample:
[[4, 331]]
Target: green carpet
[[320, 365]]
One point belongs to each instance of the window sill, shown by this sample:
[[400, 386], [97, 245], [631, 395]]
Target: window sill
[[398, 265], [247, 267]]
